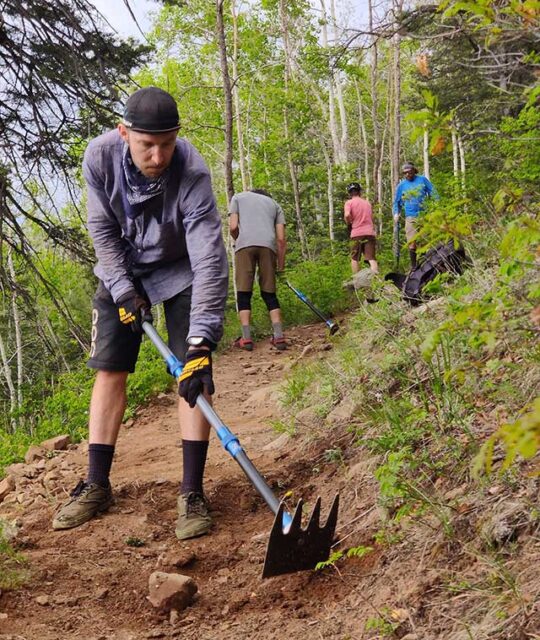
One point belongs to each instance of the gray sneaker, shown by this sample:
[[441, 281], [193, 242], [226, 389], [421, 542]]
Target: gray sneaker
[[85, 501], [193, 517]]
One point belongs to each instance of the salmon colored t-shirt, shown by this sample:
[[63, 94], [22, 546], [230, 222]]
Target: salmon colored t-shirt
[[360, 216]]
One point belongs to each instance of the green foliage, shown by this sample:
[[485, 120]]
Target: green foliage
[[445, 220], [382, 625], [13, 572], [133, 541], [335, 556], [519, 438]]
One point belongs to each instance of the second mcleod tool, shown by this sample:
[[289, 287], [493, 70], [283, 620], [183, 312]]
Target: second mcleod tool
[[333, 327], [290, 547]]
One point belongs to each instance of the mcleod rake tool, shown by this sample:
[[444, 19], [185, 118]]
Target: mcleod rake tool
[[290, 547], [332, 326]]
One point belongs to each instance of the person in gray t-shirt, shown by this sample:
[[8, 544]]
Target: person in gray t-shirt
[[257, 224], [157, 236]]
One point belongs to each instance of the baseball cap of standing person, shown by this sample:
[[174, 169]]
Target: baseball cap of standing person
[[408, 166], [151, 110]]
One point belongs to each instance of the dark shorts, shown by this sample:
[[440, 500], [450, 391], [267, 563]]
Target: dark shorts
[[247, 261], [115, 347], [363, 245]]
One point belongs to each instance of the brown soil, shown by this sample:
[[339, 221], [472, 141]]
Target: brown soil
[[89, 583], [96, 584]]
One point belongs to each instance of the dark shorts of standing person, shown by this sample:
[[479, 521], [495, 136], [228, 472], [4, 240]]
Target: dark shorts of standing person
[[250, 259], [115, 347], [365, 245]]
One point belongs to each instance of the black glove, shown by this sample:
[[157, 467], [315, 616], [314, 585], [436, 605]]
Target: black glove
[[133, 310], [196, 375]]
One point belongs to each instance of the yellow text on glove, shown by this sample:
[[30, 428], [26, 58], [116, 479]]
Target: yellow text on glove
[[194, 365], [126, 317]]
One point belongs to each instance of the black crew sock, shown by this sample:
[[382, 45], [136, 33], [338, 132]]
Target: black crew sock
[[412, 254], [194, 456], [100, 457]]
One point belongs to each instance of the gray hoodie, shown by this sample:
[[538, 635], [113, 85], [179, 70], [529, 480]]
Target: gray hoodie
[[175, 243]]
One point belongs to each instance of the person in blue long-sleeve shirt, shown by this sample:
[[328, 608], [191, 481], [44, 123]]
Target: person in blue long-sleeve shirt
[[409, 199]]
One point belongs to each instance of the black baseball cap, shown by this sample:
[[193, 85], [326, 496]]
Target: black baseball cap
[[151, 110], [354, 186]]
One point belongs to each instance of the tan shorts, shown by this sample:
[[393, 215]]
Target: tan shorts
[[365, 245], [247, 261], [410, 228]]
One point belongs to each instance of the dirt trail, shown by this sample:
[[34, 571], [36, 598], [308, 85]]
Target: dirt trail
[[89, 583]]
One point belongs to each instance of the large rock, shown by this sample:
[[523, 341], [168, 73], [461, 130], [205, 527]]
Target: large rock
[[171, 590], [279, 443], [22, 473], [35, 452], [58, 443], [361, 280], [6, 486], [345, 410]]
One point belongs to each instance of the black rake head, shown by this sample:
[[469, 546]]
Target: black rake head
[[299, 549], [334, 328]]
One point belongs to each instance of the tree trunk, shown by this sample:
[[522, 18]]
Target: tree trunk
[[396, 74], [425, 150], [363, 137], [455, 154], [339, 95], [227, 94], [462, 167], [329, 191], [56, 343], [374, 105], [17, 326], [290, 161], [8, 377], [332, 123], [236, 98]]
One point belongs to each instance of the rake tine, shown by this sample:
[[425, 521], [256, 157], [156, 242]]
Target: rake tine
[[277, 527], [297, 549], [331, 521], [315, 516], [296, 523]]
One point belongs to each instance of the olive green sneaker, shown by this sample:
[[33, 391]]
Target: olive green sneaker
[[193, 516], [85, 501]]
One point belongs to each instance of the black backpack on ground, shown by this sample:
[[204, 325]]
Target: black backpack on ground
[[443, 258]]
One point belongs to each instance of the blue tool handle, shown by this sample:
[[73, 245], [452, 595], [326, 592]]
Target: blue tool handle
[[228, 440], [307, 301]]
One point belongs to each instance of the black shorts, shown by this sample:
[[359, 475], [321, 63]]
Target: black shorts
[[115, 347]]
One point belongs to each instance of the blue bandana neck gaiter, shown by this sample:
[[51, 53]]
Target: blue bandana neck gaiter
[[137, 188]]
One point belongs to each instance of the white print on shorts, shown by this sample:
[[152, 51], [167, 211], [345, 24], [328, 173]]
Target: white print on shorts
[[95, 316]]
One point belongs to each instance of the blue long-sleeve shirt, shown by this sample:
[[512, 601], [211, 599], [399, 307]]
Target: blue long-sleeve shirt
[[170, 246], [410, 195]]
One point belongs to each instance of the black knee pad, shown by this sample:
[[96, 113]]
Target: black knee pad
[[270, 300], [243, 299]]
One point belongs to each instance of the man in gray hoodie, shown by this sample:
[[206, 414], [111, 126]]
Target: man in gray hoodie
[[157, 237]]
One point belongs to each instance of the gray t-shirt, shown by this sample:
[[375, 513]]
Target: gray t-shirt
[[257, 219]]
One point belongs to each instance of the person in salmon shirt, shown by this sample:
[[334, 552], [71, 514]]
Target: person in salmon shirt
[[359, 218]]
